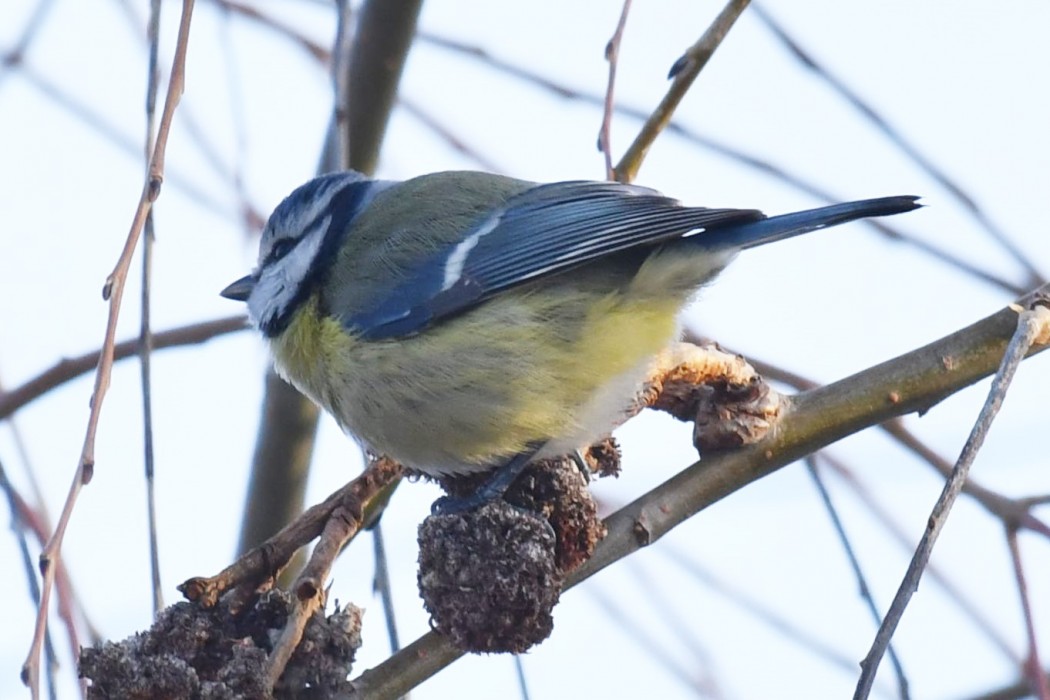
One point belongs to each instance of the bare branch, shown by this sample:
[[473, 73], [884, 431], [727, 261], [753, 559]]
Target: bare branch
[[907, 542], [862, 582], [145, 330], [261, 563], [914, 381], [1033, 667], [612, 55], [113, 291], [872, 115], [1032, 326], [752, 161], [385, 32], [343, 523], [67, 370], [455, 142], [1012, 511], [683, 73]]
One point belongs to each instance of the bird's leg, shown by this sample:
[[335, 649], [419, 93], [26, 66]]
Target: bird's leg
[[581, 464], [501, 479]]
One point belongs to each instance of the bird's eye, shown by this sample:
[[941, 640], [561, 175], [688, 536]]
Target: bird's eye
[[280, 249]]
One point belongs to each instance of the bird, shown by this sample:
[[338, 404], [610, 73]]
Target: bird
[[465, 322]]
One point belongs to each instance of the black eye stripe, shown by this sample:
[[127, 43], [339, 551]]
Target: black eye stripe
[[334, 218], [280, 249]]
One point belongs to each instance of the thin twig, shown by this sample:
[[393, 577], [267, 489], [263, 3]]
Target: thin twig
[[86, 115], [1032, 324], [12, 59], [285, 31], [262, 562], [1014, 512], [913, 152], [17, 505], [36, 522], [202, 137], [39, 502], [381, 585], [145, 331], [1033, 667], [854, 563], [726, 151], [642, 633], [337, 520], [69, 369], [683, 73], [113, 291], [523, 686], [1009, 510], [455, 142], [907, 543], [754, 606], [251, 219], [339, 150], [36, 519], [1020, 689], [749, 160], [666, 603], [344, 522], [612, 55]]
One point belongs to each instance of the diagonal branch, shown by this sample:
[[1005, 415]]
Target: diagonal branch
[[1032, 328], [909, 149], [814, 419], [683, 73], [69, 369]]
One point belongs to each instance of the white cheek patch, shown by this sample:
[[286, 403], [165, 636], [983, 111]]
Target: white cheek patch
[[280, 282]]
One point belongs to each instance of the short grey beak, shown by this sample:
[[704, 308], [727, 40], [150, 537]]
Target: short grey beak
[[241, 289]]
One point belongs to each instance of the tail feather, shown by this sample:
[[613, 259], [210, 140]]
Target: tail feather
[[777, 228]]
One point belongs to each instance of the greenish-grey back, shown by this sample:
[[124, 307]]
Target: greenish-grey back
[[403, 226]]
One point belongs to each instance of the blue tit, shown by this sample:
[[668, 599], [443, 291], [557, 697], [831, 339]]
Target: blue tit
[[462, 321]]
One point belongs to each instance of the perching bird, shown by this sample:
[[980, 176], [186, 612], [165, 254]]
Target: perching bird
[[461, 321]]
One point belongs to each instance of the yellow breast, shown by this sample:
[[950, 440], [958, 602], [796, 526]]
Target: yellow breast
[[473, 391]]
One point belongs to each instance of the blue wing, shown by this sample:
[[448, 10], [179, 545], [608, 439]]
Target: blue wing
[[542, 231]]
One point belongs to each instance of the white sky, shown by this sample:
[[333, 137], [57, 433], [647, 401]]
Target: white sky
[[966, 81]]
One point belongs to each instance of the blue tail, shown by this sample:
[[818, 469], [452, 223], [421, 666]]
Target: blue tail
[[777, 228]]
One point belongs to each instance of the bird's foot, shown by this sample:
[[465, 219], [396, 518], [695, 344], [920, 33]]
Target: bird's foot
[[491, 490]]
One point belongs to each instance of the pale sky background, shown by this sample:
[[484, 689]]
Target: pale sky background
[[965, 81]]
